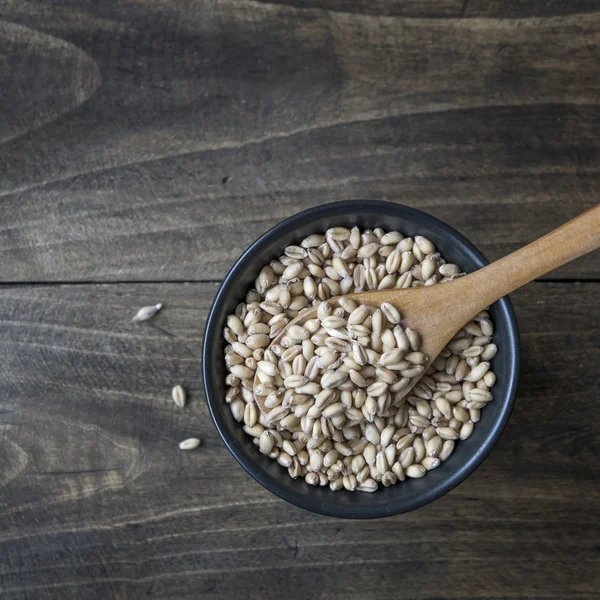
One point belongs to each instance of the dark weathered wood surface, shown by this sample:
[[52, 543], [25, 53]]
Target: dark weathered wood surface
[[143, 145], [97, 501], [136, 133]]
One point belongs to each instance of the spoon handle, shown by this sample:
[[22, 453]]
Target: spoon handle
[[570, 241]]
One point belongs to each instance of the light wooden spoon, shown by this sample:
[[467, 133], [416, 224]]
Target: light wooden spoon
[[438, 312]]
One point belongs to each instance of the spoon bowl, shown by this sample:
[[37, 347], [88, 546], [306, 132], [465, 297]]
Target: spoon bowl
[[419, 308]]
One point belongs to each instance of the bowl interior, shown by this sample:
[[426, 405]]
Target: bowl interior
[[406, 495]]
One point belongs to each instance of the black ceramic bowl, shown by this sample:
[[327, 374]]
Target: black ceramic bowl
[[409, 494]]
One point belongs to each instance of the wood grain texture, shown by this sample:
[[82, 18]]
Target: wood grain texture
[[208, 111], [98, 502], [40, 93]]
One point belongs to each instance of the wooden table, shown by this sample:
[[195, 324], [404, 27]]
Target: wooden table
[[145, 144]]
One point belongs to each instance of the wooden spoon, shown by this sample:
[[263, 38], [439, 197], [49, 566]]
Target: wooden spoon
[[438, 312]]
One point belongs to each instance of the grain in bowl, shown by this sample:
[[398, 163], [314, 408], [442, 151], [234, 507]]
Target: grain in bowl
[[336, 416]]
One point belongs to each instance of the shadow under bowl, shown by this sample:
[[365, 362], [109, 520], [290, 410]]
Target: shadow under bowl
[[404, 496]]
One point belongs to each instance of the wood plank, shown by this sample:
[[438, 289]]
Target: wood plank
[[98, 502], [190, 115]]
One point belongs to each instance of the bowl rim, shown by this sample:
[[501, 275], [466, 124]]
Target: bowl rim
[[216, 404]]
